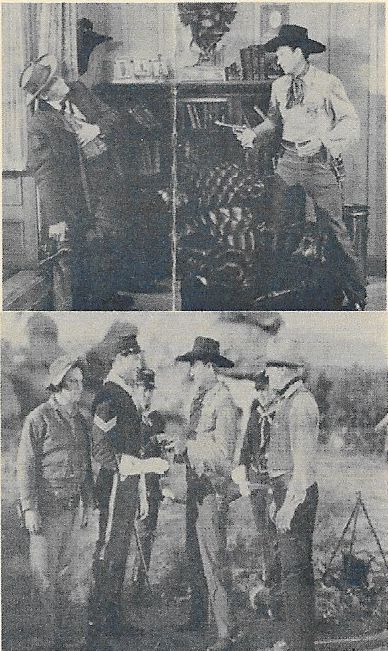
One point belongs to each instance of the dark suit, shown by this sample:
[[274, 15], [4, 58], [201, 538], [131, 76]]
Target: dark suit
[[89, 195]]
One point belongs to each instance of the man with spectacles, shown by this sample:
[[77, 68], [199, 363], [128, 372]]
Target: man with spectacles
[[54, 476]]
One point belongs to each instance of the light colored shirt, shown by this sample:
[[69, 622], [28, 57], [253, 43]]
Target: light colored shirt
[[216, 432], [53, 456], [326, 112], [303, 423]]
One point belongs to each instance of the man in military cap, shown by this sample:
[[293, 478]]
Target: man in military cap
[[318, 124], [54, 475], [209, 451], [74, 155], [291, 457], [117, 447]]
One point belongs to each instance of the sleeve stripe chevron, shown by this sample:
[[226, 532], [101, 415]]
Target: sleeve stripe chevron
[[103, 425]]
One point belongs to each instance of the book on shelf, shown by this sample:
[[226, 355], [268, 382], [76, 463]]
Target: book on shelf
[[246, 63], [191, 116], [253, 62], [202, 112]]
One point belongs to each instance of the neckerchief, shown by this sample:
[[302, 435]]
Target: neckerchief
[[281, 393], [263, 417], [295, 93], [196, 408]]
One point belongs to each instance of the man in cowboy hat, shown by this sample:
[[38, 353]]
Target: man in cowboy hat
[[54, 475], [318, 123], [74, 155], [291, 457], [117, 448], [208, 452]]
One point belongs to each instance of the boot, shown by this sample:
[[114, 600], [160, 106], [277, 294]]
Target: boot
[[222, 644], [196, 621], [115, 627]]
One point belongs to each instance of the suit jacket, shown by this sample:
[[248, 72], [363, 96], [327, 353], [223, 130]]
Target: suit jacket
[[55, 160]]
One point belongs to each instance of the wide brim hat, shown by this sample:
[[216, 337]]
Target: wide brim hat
[[59, 368], [294, 36], [248, 369], [206, 350], [285, 352], [38, 75]]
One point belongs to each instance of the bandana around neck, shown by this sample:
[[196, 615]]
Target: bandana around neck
[[295, 93]]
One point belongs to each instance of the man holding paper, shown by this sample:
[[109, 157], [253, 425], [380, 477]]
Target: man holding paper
[[117, 448]]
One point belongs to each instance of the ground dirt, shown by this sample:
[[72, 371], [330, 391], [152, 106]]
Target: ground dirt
[[341, 475]]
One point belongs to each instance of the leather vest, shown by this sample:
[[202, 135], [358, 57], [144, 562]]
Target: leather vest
[[279, 451]]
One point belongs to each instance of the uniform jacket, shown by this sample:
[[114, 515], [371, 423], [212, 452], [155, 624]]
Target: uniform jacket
[[326, 111], [152, 424], [292, 448], [117, 430], [54, 156], [212, 449], [54, 457]]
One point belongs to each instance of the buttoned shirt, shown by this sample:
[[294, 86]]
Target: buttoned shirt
[[325, 113], [216, 431], [53, 456]]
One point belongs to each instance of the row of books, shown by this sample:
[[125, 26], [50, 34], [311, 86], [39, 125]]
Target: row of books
[[202, 114], [257, 64]]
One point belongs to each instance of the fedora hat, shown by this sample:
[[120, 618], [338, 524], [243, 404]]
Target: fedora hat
[[38, 75], [285, 352], [206, 350], [59, 368], [294, 36]]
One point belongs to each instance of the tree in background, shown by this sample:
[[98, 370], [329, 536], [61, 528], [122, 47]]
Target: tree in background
[[358, 400], [322, 390]]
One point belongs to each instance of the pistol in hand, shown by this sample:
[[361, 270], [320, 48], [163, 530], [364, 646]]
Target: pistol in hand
[[245, 135]]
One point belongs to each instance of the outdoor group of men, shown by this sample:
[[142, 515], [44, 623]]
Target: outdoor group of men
[[272, 462]]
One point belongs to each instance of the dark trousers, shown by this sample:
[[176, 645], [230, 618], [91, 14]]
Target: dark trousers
[[101, 252], [313, 176], [295, 549], [112, 549], [146, 530], [265, 529], [206, 542]]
